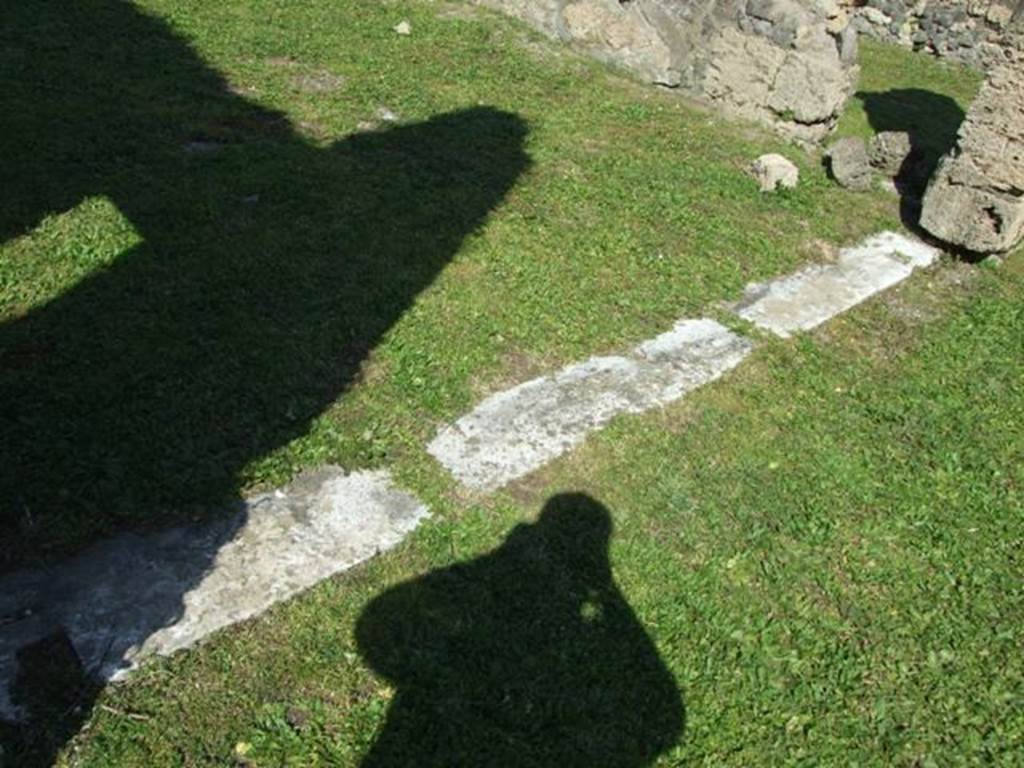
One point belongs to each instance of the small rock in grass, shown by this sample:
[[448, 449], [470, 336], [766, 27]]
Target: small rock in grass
[[386, 115], [774, 171], [850, 165], [296, 718], [889, 150], [403, 28]]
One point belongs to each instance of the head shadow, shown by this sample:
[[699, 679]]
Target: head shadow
[[267, 267], [528, 655]]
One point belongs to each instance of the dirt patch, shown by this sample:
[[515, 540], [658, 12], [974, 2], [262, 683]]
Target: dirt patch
[[923, 304], [321, 81], [514, 368], [532, 490], [821, 251], [282, 62]]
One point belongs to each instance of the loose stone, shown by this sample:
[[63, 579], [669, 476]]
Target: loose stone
[[850, 165], [774, 171]]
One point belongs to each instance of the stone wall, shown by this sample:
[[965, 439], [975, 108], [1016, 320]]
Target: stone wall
[[971, 31], [976, 198], [787, 63]]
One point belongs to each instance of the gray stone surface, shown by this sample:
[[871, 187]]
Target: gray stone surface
[[970, 31], [976, 197], [774, 171], [889, 150], [817, 293], [788, 63], [614, 34], [138, 595], [850, 165], [514, 432]]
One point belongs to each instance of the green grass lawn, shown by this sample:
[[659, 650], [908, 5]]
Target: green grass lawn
[[814, 561]]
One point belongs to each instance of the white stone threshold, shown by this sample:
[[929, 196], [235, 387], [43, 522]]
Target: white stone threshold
[[139, 595], [806, 299], [515, 432]]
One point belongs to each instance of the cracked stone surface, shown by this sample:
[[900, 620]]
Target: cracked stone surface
[[137, 595], [788, 63], [806, 299], [514, 432], [976, 198]]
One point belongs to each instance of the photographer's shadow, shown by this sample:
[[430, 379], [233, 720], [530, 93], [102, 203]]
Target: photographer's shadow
[[529, 655]]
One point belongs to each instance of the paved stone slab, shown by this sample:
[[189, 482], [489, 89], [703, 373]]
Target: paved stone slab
[[514, 432], [138, 595], [808, 298]]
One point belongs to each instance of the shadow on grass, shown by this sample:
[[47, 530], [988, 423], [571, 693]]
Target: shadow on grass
[[932, 121], [267, 270], [527, 656]]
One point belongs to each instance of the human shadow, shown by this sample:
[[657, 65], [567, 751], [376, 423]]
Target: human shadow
[[267, 267], [932, 121], [526, 656]]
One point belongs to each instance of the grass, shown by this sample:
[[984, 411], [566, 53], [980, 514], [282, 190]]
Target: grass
[[296, 239], [814, 561], [909, 93]]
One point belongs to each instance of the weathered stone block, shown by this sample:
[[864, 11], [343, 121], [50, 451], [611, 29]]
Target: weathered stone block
[[850, 164], [970, 31], [889, 150], [623, 38], [976, 198], [774, 171], [787, 63]]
